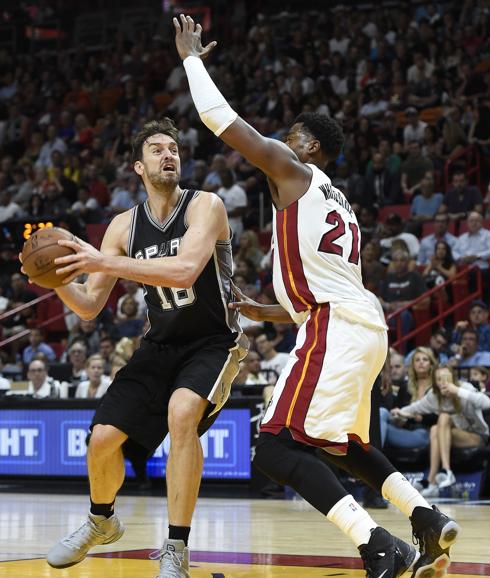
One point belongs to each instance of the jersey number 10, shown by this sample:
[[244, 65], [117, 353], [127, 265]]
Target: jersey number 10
[[328, 244]]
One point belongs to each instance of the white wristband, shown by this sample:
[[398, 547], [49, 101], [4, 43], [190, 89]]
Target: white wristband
[[211, 105]]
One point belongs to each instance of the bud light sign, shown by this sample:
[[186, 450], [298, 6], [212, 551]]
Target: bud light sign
[[52, 442]]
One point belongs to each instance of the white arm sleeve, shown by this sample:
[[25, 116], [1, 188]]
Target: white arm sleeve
[[211, 105]]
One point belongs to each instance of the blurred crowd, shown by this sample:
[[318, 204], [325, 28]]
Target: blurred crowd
[[410, 86]]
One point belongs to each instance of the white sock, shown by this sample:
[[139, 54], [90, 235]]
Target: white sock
[[352, 519], [400, 492]]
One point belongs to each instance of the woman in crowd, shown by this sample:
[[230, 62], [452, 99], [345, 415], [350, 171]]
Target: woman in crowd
[[97, 383], [441, 266], [398, 431], [460, 424], [249, 249]]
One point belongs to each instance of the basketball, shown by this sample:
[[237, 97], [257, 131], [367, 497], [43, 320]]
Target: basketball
[[39, 253]]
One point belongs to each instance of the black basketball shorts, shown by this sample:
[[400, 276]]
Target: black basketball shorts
[[137, 400]]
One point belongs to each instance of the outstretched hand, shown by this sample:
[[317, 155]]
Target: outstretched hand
[[188, 38], [246, 306], [85, 259]]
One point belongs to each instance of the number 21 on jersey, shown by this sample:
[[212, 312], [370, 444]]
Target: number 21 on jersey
[[328, 242]]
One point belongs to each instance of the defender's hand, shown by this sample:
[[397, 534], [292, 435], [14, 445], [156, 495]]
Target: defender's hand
[[188, 38], [245, 305]]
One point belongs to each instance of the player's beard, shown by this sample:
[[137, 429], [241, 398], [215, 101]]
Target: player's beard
[[164, 181]]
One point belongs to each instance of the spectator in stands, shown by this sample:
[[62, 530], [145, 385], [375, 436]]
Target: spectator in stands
[[52, 143], [137, 292], [187, 164], [37, 345], [188, 135], [254, 375], [400, 288], [86, 331], [8, 209], [414, 168], [107, 348], [97, 383], [414, 131], [86, 207], [235, 200], [398, 372], [130, 325], [40, 384], [373, 272], [479, 377], [5, 384], [127, 197], [441, 267], [381, 186], [438, 344], [453, 133], [392, 231], [466, 354], [350, 182], [77, 357], [212, 181], [478, 321], [272, 362], [473, 247], [398, 245], [249, 249], [400, 432], [369, 224], [460, 424], [428, 243], [461, 198], [426, 205], [284, 338]]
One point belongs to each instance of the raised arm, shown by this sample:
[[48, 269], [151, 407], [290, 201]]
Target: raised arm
[[207, 223], [275, 159]]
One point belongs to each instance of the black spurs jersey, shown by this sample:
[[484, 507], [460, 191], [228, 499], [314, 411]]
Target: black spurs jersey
[[183, 315]]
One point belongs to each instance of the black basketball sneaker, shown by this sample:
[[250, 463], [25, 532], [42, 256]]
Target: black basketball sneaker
[[435, 533], [386, 556]]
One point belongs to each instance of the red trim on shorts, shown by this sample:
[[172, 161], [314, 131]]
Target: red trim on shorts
[[292, 271]]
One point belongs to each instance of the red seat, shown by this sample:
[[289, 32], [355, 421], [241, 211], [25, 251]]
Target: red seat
[[95, 234], [57, 347], [402, 210], [48, 309]]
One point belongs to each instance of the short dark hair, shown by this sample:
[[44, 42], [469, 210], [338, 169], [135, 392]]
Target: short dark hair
[[324, 128], [164, 126]]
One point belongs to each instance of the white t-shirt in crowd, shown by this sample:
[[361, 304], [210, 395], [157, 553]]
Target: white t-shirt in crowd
[[277, 364], [233, 198], [83, 387]]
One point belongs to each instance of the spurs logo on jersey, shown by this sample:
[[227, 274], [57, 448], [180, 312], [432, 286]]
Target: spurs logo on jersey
[[316, 251], [174, 313]]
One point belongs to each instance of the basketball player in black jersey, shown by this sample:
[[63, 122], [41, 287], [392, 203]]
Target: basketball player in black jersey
[[177, 244], [285, 452]]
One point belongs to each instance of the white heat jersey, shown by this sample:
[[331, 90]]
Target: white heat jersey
[[317, 255]]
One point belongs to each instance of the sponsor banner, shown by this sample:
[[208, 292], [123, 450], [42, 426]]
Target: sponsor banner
[[51, 442]]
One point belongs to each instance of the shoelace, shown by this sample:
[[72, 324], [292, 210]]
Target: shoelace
[[418, 540], [161, 554], [88, 530]]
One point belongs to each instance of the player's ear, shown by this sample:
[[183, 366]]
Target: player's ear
[[139, 168], [313, 146]]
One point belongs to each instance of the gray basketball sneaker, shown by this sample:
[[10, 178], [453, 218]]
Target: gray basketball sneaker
[[73, 549], [174, 559]]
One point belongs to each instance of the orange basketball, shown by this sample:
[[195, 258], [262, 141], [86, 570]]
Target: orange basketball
[[39, 253]]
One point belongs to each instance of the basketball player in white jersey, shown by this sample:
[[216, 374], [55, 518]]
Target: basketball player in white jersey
[[322, 398]]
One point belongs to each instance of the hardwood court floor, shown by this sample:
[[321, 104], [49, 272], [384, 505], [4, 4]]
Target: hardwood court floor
[[236, 538]]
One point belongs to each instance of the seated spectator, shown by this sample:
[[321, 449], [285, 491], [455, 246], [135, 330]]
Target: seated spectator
[[284, 339], [400, 432], [87, 208], [130, 325], [478, 320], [235, 200], [414, 168], [414, 129], [369, 224], [460, 424], [393, 230], [381, 186], [8, 209], [441, 267], [428, 243], [107, 348], [187, 165], [461, 198], [399, 245], [373, 272], [97, 383], [272, 362], [466, 354], [349, 182], [137, 292], [400, 288], [453, 133], [36, 346], [473, 247], [5, 384], [437, 345], [426, 205], [479, 377], [87, 332], [40, 384], [248, 248], [254, 376], [77, 357], [126, 198]]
